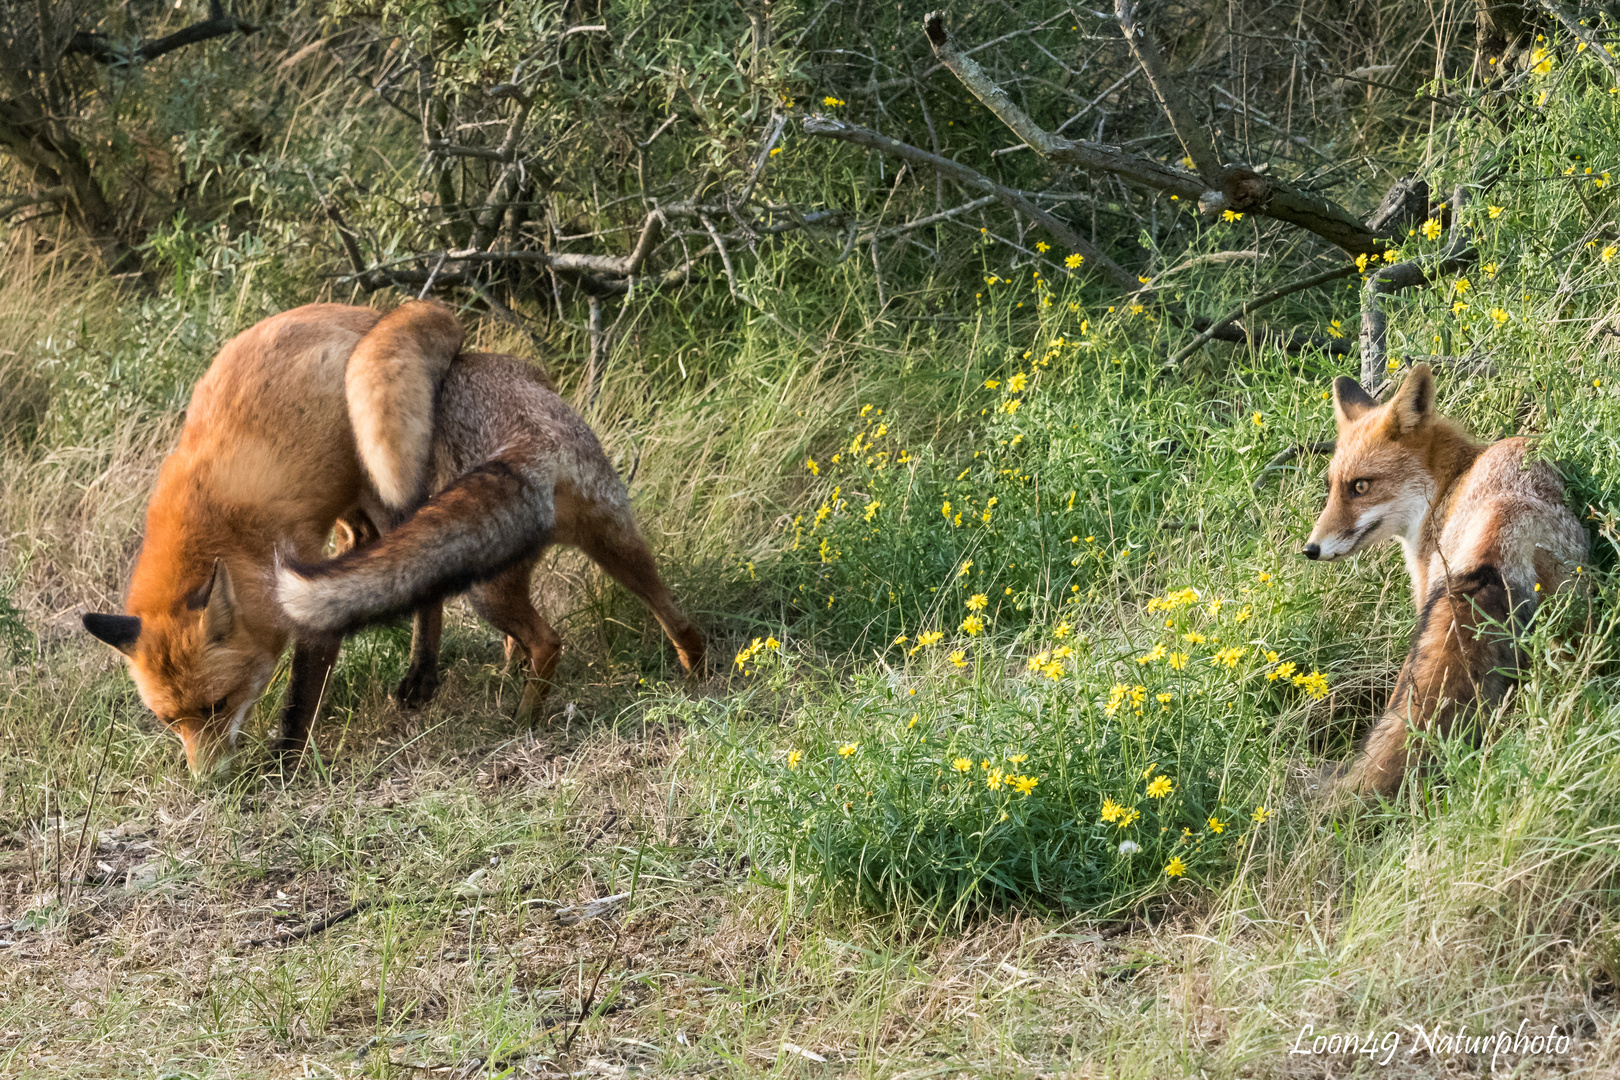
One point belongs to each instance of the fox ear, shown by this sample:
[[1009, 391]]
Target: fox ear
[[119, 631], [1350, 401], [217, 601], [1413, 404]]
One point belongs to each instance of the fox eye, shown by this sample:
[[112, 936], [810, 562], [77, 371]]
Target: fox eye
[[219, 706], [1360, 486]]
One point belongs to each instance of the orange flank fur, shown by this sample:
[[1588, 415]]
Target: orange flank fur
[[1485, 534]]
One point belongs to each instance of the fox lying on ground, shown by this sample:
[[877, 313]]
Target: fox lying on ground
[[1486, 535], [327, 416]]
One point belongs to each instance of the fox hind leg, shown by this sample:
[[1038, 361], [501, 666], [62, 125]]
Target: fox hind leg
[[421, 679], [503, 602], [616, 546]]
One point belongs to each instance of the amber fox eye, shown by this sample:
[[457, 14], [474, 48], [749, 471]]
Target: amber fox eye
[[1360, 486]]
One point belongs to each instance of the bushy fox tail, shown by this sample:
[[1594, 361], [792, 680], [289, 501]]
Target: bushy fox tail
[[489, 519], [391, 381], [1464, 655]]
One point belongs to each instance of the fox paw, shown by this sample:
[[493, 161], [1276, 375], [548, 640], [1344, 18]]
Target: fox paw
[[416, 689]]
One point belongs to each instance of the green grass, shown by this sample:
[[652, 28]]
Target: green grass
[[881, 908]]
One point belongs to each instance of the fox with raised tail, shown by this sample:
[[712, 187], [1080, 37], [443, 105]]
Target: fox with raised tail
[[1486, 535], [333, 416]]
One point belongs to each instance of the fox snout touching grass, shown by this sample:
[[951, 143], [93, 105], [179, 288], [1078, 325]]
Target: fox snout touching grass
[[1486, 536], [328, 417]]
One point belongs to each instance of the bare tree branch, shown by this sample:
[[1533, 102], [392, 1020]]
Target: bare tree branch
[[1194, 139], [104, 50], [1459, 253], [22, 202], [1241, 189], [1093, 256], [1260, 301], [1585, 36]]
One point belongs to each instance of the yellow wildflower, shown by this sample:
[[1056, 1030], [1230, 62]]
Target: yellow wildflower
[[1160, 787], [1073, 261], [973, 626], [959, 658], [871, 509], [1260, 815], [1177, 661], [1042, 246], [1023, 784], [1176, 867], [930, 638], [1017, 383], [1157, 653], [1495, 211], [1216, 826], [1315, 684], [847, 749], [962, 764], [1230, 216], [1111, 810], [810, 463], [977, 602], [1431, 229], [1230, 657], [831, 102]]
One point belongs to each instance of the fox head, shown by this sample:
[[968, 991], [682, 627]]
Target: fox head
[[1380, 482], [196, 667]]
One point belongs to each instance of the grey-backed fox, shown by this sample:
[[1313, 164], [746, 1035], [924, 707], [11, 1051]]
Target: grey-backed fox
[[329, 415], [1486, 536], [513, 469]]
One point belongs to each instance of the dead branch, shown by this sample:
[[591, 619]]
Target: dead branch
[[1459, 253], [1584, 34], [1195, 140], [1094, 257], [1260, 301], [103, 50], [22, 202], [1280, 462], [1233, 187]]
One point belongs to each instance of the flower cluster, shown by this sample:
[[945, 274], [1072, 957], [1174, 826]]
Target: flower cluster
[[746, 655]]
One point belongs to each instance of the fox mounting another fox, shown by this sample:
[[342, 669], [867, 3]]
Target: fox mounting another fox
[[1486, 536], [331, 416]]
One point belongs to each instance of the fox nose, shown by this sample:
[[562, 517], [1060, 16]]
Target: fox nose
[[1313, 551]]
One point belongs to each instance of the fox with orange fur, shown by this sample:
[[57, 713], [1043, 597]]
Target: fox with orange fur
[[331, 416], [1486, 536]]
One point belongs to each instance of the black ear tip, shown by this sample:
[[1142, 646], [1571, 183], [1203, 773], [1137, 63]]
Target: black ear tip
[[119, 631]]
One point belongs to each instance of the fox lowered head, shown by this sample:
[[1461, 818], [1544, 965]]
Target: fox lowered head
[[1380, 482], [195, 666]]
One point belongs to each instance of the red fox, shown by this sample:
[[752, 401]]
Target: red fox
[[1486, 535], [327, 416]]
